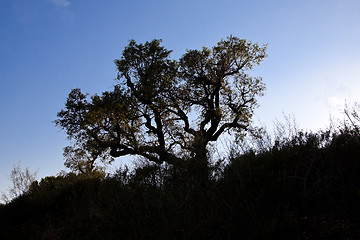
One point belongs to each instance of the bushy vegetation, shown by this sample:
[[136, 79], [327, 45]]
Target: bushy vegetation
[[293, 185], [303, 186]]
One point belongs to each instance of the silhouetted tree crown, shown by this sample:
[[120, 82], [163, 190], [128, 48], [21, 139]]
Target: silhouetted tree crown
[[167, 110]]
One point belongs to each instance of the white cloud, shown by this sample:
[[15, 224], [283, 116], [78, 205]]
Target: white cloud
[[334, 102], [61, 3]]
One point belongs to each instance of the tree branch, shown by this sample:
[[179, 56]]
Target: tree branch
[[233, 124]]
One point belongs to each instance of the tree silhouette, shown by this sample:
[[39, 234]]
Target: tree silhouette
[[21, 179], [169, 110]]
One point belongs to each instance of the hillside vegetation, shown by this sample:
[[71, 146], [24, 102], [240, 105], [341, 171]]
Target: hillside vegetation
[[306, 186]]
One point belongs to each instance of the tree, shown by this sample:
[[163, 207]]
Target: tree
[[169, 110], [21, 180]]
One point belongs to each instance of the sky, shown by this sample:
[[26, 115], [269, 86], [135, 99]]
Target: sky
[[48, 47]]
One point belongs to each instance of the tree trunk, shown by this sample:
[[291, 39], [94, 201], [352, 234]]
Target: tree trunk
[[199, 165]]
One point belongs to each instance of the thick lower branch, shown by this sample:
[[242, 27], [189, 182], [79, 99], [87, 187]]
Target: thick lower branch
[[152, 153]]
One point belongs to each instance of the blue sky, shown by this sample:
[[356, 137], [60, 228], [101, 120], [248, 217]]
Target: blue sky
[[48, 47]]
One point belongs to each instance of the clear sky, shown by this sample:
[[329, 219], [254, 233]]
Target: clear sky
[[48, 47]]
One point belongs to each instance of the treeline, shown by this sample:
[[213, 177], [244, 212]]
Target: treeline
[[306, 186]]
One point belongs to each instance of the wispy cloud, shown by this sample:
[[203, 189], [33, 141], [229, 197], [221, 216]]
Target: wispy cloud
[[335, 102], [61, 3]]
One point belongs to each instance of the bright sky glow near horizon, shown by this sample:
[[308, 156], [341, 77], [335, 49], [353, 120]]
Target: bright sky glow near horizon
[[48, 47]]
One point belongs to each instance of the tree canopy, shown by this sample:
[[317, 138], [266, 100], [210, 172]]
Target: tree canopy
[[167, 110]]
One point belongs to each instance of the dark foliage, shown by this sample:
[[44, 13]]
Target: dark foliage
[[307, 187], [165, 110]]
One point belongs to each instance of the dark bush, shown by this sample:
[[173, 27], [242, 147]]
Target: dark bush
[[306, 187]]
